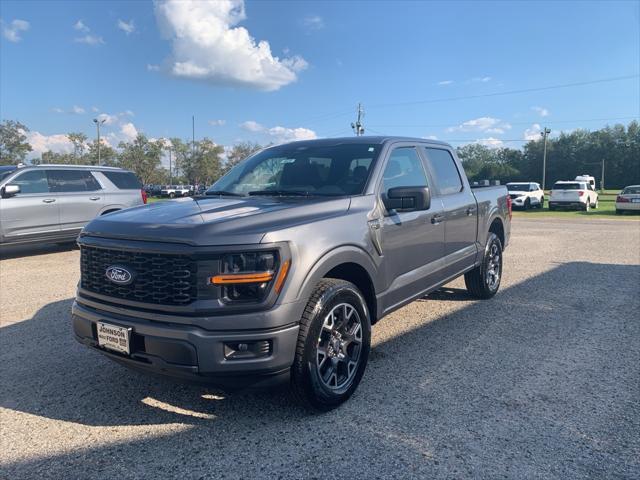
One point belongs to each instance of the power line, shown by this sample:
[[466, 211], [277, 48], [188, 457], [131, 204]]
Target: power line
[[514, 123], [508, 92]]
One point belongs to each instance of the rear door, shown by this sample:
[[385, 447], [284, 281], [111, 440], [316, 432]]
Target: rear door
[[32, 213], [412, 242], [460, 209], [80, 197], [122, 189]]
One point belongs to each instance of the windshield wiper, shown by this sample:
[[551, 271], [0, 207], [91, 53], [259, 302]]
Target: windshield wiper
[[296, 193], [223, 192]]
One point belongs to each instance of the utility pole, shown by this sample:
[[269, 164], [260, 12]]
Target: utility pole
[[98, 123], [170, 172], [545, 133], [358, 127]]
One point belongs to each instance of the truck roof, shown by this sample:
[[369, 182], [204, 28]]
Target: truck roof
[[379, 139]]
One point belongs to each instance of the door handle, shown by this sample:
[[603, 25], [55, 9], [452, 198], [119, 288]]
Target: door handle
[[436, 219], [49, 200], [471, 211], [94, 198]]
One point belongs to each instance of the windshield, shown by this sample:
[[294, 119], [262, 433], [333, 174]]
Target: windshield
[[328, 170], [569, 186], [631, 190], [518, 187], [5, 172]]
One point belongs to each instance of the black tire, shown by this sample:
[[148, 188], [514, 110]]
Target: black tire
[[477, 280], [527, 204], [172, 195], [307, 385]]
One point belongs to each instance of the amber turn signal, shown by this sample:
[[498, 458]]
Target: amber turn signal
[[282, 275], [237, 278]]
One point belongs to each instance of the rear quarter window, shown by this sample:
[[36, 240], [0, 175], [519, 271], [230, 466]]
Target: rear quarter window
[[123, 180]]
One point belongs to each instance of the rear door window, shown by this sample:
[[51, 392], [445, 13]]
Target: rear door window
[[68, 181], [445, 171], [34, 181], [123, 180]]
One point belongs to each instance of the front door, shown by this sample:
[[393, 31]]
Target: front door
[[31, 213], [412, 242]]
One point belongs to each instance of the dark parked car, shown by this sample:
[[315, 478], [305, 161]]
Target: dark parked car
[[277, 276]]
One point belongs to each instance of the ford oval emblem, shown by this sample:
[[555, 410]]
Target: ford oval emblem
[[119, 275]]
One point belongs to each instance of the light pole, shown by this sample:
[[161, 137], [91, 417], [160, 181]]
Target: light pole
[[98, 123], [545, 133]]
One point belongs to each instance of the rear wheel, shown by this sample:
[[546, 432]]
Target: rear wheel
[[595, 205], [333, 346], [484, 281], [587, 206]]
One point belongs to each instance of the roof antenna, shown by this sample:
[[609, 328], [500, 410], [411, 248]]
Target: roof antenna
[[358, 127]]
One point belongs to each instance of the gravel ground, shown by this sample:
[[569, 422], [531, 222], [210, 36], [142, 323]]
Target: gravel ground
[[543, 381]]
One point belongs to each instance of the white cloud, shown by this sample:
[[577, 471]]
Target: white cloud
[[217, 123], [152, 67], [77, 110], [251, 126], [482, 124], [108, 119], [41, 143], [313, 22], [127, 27], [284, 135], [445, 82], [533, 132], [481, 79], [89, 40], [208, 46], [129, 131], [543, 112], [278, 133], [57, 110], [490, 142], [13, 30], [81, 27]]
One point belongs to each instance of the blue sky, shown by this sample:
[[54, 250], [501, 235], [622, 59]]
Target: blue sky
[[274, 71]]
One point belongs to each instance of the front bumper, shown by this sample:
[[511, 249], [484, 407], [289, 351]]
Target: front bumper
[[190, 353]]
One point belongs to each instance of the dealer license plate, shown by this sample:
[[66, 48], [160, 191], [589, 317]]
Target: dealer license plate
[[113, 337]]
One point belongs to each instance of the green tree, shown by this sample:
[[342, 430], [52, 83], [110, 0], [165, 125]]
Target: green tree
[[239, 152], [13, 143], [204, 164], [108, 156], [79, 141], [141, 156]]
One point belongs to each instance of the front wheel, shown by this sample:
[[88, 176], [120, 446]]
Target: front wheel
[[484, 280], [333, 346]]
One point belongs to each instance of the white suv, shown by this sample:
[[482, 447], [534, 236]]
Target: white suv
[[526, 194], [572, 194]]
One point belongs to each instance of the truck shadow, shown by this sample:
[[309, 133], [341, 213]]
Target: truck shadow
[[19, 251], [526, 384]]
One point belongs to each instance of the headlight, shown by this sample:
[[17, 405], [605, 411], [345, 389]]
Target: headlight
[[248, 277]]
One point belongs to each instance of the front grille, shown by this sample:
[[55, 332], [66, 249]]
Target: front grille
[[157, 278], [515, 195]]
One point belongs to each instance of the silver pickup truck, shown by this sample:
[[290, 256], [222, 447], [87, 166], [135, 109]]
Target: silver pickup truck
[[277, 274]]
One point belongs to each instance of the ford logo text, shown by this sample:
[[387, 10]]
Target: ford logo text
[[119, 275]]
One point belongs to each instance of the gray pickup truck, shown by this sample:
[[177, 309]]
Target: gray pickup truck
[[277, 274]]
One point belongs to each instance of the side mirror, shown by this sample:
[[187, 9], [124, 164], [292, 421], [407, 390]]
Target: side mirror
[[407, 199], [9, 191]]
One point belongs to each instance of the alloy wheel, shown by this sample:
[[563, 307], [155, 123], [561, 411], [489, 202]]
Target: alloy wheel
[[339, 346], [494, 266]]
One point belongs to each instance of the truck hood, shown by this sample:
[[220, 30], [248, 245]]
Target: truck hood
[[214, 221]]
